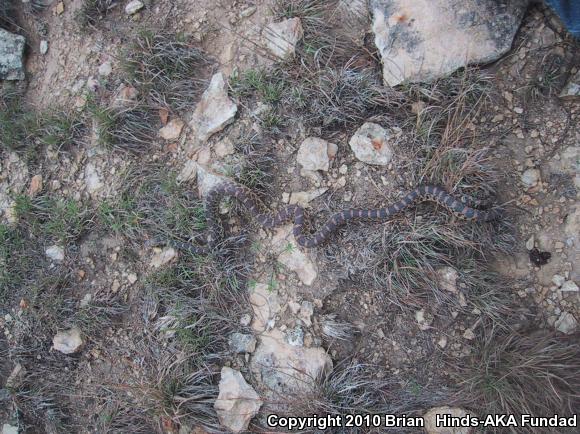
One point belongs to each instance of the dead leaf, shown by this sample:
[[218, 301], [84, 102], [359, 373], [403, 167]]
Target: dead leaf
[[164, 115]]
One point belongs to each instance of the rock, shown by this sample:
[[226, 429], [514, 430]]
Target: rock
[[56, 253], [68, 341], [133, 7], [313, 154], [281, 38], [43, 47], [282, 368], [569, 286], [332, 150], [35, 185], [447, 279], [189, 171], [306, 312], [16, 377], [237, 402], [432, 427], [423, 319], [59, 9], [214, 111], [442, 342], [558, 280], [224, 148], [163, 257], [302, 198], [469, 334], [265, 304], [294, 307], [10, 429], [207, 180], [566, 323], [531, 177], [132, 278], [86, 300], [11, 56], [293, 257], [245, 319], [422, 40], [204, 156], [241, 343], [572, 88], [295, 337], [105, 69], [172, 130], [248, 12], [92, 179], [126, 96], [531, 243], [370, 144]]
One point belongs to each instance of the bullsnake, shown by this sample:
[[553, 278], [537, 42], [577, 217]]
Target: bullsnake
[[295, 213]]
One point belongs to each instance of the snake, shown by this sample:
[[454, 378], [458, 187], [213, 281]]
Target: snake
[[465, 207]]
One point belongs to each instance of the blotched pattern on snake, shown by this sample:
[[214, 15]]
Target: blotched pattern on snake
[[295, 213]]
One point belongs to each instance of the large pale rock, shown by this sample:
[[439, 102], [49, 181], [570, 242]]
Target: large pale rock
[[214, 111], [281, 38], [281, 367], [313, 154], [68, 341], [370, 144], [237, 401], [292, 256], [422, 40], [11, 54], [431, 421]]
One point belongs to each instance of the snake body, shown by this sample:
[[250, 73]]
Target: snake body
[[295, 213]]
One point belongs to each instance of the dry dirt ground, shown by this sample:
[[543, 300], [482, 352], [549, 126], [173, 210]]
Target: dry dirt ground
[[422, 311]]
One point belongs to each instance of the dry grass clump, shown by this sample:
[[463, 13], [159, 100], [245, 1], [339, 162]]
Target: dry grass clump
[[331, 99], [325, 100], [93, 11], [353, 388], [166, 68], [523, 373], [131, 129], [48, 303], [326, 41], [28, 131], [256, 167], [178, 392]]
